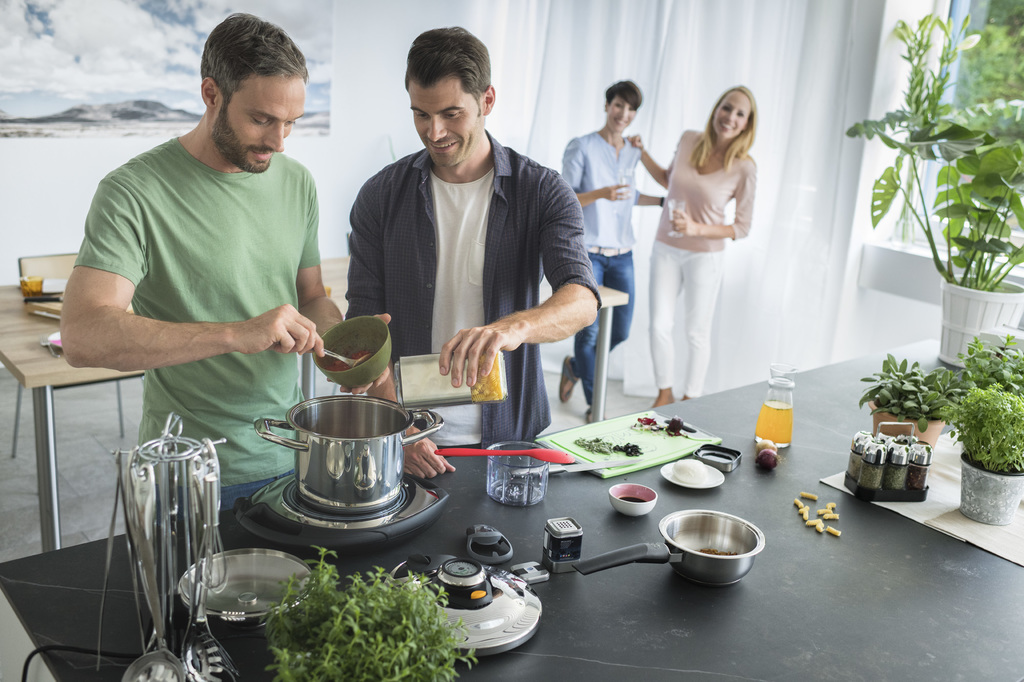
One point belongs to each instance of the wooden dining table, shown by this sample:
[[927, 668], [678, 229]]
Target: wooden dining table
[[34, 367]]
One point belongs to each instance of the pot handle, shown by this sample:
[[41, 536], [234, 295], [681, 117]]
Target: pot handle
[[644, 553], [434, 423], [263, 430]]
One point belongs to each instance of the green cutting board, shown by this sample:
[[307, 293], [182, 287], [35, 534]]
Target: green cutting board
[[658, 448]]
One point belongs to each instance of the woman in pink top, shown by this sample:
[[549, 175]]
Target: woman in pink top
[[709, 170]]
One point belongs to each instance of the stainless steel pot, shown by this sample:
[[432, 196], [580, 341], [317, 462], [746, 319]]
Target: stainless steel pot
[[689, 534], [349, 454]]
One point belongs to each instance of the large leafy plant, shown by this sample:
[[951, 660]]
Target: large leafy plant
[[373, 630], [969, 226], [910, 394], [989, 422]]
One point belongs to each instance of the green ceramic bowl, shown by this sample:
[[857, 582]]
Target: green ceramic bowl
[[351, 336]]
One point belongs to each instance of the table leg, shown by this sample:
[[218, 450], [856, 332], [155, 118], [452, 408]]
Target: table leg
[[308, 374], [604, 339], [46, 467]]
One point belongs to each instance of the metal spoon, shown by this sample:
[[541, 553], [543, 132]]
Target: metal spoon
[[351, 362]]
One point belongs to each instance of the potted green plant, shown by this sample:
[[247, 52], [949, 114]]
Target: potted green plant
[[969, 226], [993, 361], [375, 629], [989, 423], [902, 393]]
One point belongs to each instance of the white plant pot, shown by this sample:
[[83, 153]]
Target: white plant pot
[[989, 497], [968, 312]]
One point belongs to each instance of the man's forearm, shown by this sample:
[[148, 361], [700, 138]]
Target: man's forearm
[[569, 309], [323, 311], [119, 340]]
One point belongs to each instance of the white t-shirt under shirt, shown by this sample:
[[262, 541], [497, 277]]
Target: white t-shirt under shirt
[[460, 219]]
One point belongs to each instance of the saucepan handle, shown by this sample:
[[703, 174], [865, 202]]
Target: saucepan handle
[[645, 553], [433, 420], [264, 432]]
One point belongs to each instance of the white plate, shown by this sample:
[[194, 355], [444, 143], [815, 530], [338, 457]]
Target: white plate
[[714, 478]]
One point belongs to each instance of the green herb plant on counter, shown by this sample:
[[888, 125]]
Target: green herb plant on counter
[[989, 422], [373, 630], [993, 363], [909, 394]]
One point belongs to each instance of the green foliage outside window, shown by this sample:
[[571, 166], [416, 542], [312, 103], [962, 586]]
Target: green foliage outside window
[[990, 83]]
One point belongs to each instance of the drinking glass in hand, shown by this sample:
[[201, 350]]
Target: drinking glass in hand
[[626, 178], [675, 206]]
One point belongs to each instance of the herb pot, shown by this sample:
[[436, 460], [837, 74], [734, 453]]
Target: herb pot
[[707, 547], [929, 435], [989, 497], [349, 453]]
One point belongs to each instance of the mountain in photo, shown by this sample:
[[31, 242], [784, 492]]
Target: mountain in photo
[[121, 112]]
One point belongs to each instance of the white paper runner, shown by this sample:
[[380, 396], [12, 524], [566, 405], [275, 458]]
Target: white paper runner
[[941, 510]]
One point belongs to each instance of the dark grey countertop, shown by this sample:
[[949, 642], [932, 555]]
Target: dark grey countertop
[[889, 600]]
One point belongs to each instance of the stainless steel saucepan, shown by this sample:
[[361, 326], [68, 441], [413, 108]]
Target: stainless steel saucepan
[[349, 452], [708, 547]]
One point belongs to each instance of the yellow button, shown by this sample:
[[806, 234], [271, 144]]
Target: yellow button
[[478, 594]]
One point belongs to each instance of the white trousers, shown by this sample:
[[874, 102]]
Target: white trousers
[[698, 274]]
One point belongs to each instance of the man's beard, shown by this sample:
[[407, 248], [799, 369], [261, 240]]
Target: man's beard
[[227, 143]]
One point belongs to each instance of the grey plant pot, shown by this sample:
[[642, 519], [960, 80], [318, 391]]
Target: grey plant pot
[[988, 497]]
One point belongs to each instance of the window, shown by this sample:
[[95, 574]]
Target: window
[[988, 83], [989, 92]]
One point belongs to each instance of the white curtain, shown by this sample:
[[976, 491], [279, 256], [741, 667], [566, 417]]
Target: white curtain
[[552, 61]]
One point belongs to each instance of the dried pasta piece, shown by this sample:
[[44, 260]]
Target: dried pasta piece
[[820, 528], [830, 505], [822, 511], [831, 517], [809, 496], [832, 531], [803, 513], [798, 503], [813, 522]]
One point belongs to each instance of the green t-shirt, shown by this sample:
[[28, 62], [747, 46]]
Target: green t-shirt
[[204, 246]]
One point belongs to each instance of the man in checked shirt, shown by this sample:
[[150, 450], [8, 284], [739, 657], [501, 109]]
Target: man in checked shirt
[[453, 241]]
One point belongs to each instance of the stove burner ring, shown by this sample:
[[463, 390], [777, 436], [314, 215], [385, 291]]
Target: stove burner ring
[[298, 505]]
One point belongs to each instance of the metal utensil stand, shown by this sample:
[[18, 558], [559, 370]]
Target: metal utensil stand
[[172, 497]]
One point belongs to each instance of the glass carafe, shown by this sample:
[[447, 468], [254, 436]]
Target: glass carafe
[[775, 423]]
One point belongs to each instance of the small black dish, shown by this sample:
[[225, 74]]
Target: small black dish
[[720, 457]]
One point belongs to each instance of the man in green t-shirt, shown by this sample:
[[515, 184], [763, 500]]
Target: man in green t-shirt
[[211, 238]]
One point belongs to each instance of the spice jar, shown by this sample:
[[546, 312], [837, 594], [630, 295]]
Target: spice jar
[[917, 470], [860, 441], [895, 475], [873, 466]]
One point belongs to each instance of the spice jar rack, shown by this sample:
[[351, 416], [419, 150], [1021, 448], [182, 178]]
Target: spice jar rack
[[883, 468]]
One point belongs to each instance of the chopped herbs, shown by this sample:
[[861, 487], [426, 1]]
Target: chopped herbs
[[600, 446], [629, 449]]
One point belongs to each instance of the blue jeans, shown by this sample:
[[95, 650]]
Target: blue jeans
[[615, 272], [230, 493]]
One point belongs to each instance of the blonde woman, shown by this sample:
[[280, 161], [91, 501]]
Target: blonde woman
[[710, 169]]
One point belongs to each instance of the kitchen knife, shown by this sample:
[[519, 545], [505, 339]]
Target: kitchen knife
[[589, 466]]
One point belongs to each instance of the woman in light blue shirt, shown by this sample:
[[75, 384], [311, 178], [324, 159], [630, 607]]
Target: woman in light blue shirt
[[599, 167]]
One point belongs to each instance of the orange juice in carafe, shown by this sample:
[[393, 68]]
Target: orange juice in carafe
[[775, 422]]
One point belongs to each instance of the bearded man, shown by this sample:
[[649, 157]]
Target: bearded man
[[211, 238]]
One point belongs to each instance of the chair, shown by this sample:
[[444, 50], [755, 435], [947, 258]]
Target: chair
[[57, 266]]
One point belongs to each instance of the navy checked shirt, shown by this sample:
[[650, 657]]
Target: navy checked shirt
[[534, 229]]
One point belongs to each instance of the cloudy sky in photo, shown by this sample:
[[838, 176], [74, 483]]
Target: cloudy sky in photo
[[56, 54]]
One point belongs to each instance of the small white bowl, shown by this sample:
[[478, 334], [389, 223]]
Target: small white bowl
[[624, 498]]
